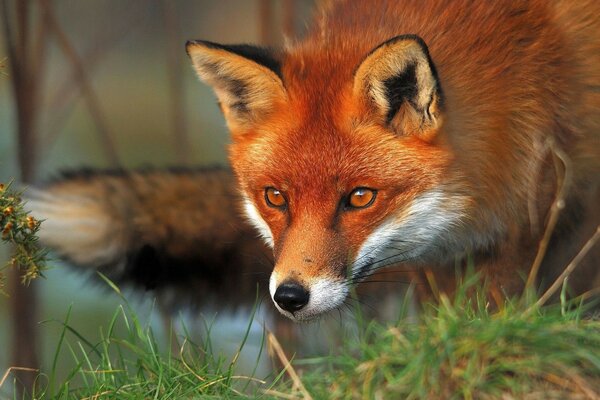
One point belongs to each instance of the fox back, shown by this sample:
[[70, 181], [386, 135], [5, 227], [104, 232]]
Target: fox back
[[413, 132]]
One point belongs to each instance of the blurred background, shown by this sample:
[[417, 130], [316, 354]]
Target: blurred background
[[108, 84]]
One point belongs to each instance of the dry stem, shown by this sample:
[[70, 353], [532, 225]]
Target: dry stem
[[276, 347], [557, 206], [9, 370], [84, 82], [568, 270]]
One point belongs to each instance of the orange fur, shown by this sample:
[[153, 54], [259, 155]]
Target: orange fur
[[511, 74]]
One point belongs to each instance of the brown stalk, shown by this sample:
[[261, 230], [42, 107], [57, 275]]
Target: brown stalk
[[274, 346], [568, 270], [289, 30], [265, 21], [24, 79], [22, 37], [63, 99], [564, 182], [542, 151], [182, 142], [83, 81], [11, 369]]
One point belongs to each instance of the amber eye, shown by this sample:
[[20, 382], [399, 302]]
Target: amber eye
[[274, 198], [361, 198]]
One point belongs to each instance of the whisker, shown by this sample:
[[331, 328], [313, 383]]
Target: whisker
[[360, 302], [386, 281], [369, 268], [393, 271], [392, 256]]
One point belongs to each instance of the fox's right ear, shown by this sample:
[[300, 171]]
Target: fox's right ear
[[399, 80], [245, 78]]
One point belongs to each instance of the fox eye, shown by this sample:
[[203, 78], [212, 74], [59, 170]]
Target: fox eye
[[361, 197], [274, 198]]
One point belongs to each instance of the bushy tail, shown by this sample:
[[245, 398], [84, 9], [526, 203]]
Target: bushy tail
[[156, 229], [79, 227]]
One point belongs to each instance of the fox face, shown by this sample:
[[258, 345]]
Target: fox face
[[341, 165]]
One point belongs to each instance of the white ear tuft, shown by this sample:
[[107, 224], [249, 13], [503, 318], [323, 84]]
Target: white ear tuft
[[400, 80], [246, 79]]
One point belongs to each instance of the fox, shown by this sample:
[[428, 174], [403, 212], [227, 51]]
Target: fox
[[174, 234], [417, 133]]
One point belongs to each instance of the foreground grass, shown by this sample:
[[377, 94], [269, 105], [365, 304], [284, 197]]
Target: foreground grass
[[462, 349], [133, 364], [137, 367], [459, 348]]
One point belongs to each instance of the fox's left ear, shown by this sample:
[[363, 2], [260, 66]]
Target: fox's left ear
[[245, 78], [399, 81]]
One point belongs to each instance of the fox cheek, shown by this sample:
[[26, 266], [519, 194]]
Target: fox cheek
[[254, 217]]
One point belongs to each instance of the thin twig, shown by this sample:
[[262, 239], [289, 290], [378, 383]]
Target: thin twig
[[585, 296], [185, 364], [435, 291], [9, 370], [281, 395], [23, 301], [22, 37], [557, 206], [568, 270], [541, 150], [287, 365], [84, 82], [23, 83], [9, 40], [289, 30], [265, 21], [182, 141], [38, 56], [37, 70], [63, 99], [582, 385]]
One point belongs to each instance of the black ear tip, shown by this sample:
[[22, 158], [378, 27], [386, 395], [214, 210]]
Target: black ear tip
[[415, 38], [189, 44]]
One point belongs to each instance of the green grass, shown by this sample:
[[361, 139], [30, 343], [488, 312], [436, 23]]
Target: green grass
[[135, 365], [464, 349], [459, 348]]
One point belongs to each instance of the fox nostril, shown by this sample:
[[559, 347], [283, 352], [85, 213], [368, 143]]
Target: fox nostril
[[291, 296]]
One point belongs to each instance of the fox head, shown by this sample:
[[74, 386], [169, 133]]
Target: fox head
[[340, 163]]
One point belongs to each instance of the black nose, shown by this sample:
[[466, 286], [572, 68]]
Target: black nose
[[291, 296]]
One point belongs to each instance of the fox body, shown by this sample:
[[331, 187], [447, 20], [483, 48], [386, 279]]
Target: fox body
[[414, 132]]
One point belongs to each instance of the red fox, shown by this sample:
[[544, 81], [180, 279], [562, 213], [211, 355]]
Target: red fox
[[414, 132], [173, 232]]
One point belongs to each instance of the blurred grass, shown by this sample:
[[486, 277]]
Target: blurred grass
[[128, 362], [465, 349], [460, 348]]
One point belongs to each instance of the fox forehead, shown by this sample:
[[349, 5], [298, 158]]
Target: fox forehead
[[319, 155]]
